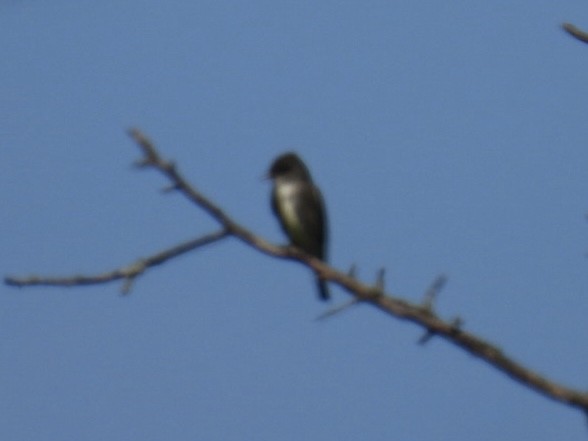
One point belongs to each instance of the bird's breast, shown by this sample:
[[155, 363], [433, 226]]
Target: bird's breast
[[287, 194]]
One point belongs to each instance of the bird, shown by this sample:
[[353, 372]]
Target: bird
[[299, 206]]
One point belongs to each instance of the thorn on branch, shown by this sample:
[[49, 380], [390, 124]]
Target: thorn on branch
[[352, 271], [337, 309], [381, 280], [456, 325], [143, 163], [426, 337], [428, 305], [170, 188], [130, 274], [432, 293], [127, 286]]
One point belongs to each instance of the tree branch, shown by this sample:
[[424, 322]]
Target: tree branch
[[423, 315], [575, 32], [128, 273]]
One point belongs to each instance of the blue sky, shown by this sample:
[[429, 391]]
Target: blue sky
[[447, 137]]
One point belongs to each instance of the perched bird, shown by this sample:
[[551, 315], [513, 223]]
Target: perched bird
[[298, 205]]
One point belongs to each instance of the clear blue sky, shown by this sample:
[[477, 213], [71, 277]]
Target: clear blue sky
[[447, 137]]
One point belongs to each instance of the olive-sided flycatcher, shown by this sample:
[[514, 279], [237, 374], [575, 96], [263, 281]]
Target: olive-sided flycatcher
[[298, 205]]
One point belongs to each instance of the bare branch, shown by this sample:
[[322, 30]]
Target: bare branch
[[575, 32], [177, 181], [423, 317], [128, 273]]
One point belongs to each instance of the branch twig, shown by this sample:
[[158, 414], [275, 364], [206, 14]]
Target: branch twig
[[128, 273], [575, 32]]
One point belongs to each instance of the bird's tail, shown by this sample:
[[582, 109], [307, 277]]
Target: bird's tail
[[322, 289]]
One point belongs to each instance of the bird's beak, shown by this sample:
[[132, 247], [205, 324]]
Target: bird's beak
[[266, 177]]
